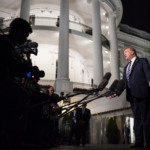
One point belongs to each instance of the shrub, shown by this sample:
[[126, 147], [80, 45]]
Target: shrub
[[112, 132]]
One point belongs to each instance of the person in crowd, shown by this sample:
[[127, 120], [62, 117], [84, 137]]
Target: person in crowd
[[45, 127], [137, 84], [84, 119], [61, 95], [54, 97], [14, 97], [74, 126], [54, 111]]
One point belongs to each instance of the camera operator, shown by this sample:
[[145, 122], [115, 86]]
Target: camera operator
[[13, 64], [14, 97]]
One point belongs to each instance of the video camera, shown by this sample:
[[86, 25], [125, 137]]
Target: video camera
[[35, 73], [29, 47]]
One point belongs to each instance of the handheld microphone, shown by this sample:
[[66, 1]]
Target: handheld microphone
[[112, 88], [104, 82]]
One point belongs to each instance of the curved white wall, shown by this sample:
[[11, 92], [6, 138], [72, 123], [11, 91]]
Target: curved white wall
[[46, 60]]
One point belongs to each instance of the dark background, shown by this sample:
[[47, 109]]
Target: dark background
[[136, 13]]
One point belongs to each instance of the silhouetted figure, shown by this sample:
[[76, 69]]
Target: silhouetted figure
[[61, 94], [84, 122], [14, 98], [74, 126], [54, 111]]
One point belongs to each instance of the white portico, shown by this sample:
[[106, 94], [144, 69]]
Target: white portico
[[95, 59], [72, 58]]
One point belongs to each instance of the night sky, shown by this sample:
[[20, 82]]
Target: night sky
[[136, 13]]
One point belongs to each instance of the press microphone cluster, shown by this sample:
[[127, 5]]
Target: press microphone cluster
[[112, 88], [101, 86], [104, 82], [117, 88], [120, 87]]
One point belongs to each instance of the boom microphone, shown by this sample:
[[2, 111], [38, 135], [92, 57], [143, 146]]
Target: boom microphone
[[120, 87], [107, 76], [112, 88], [104, 82], [114, 85]]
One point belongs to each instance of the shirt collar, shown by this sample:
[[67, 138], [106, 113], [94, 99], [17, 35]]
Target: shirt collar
[[133, 59]]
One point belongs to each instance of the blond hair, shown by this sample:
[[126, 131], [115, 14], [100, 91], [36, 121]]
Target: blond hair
[[131, 48]]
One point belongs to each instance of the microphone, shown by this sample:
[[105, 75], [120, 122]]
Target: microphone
[[104, 82], [120, 87], [112, 88], [114, 85], [107, 76]]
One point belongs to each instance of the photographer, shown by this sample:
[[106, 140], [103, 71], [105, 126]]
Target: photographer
[[14, 98], [11, 63]]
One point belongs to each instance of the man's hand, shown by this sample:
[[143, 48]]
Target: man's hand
[[73, 118], [112, 96]]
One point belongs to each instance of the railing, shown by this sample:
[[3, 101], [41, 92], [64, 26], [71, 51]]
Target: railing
[[46, 82], [54, 22], [4, 24], [49, 21], [82, 85], [75, 84]]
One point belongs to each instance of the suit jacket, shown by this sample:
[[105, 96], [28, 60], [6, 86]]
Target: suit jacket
[[77, 117], [85, 116], [138, 80]]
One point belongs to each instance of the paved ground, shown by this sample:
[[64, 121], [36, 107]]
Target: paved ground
[[94, 147]]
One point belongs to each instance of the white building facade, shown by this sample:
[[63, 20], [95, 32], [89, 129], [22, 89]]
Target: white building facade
[[71, 58]]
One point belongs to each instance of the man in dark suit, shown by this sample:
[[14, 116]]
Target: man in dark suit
[[74, 126], [54, 111], [85, 115], [137, 84]]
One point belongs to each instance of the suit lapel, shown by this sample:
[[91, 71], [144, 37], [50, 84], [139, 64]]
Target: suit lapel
[[134, 64], [125, 70]]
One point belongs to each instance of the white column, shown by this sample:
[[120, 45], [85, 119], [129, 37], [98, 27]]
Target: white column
[[97, 53], [25, 9], [63, 83], [113, 47]]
